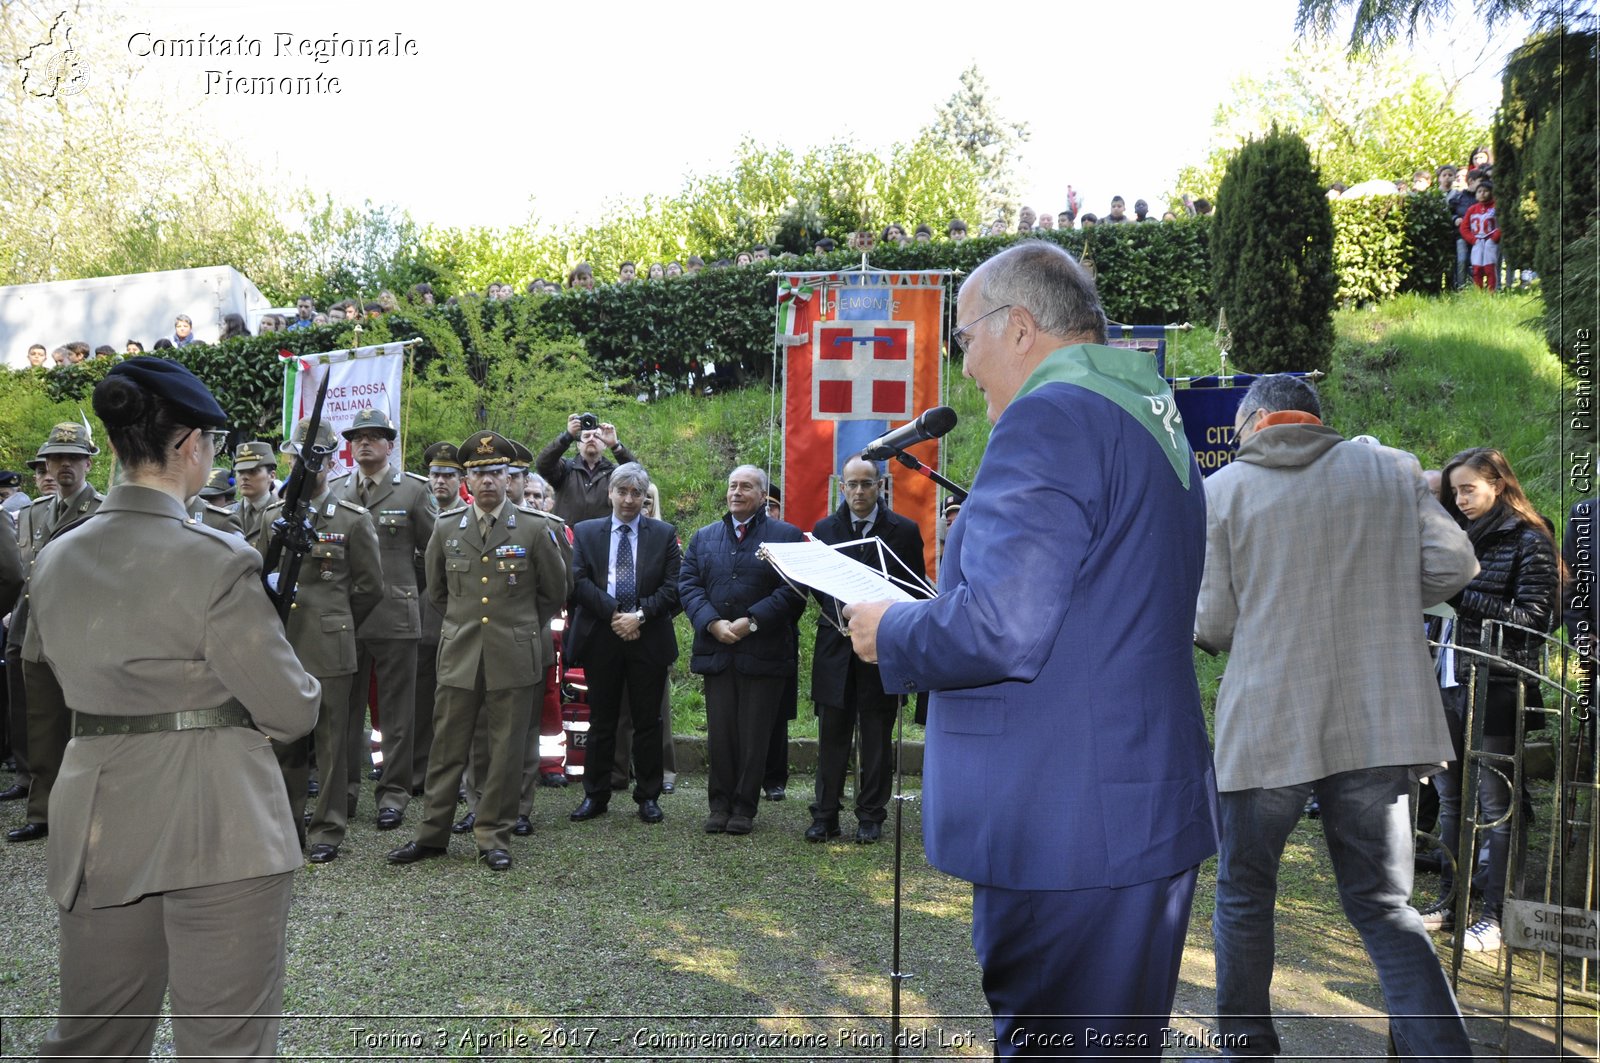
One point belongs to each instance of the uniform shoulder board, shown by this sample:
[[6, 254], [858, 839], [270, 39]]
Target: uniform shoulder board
[[357, 506], [222, 511], [520, 508], [551, 517], [276, 503], [417, 477], [452, 512], [341, 476]]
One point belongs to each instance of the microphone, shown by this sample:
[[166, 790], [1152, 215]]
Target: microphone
[[931, 424]]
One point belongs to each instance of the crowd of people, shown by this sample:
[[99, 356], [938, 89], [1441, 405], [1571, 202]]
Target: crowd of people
[[1069, 688]]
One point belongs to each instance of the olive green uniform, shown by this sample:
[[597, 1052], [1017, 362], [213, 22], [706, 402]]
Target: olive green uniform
[[495, 591], [401, 509], [340, 583]]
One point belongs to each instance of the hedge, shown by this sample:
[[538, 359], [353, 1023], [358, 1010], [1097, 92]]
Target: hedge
[[661, 336]]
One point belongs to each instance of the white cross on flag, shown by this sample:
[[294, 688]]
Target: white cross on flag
[[862, 370]]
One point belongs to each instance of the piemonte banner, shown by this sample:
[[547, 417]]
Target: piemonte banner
[[862, 353], [359, 378]]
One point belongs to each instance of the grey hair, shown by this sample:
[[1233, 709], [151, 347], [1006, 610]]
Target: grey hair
[[632, 474], [1280, 391], [761, 476], [1048, 283], [184, 318], [534, 477]]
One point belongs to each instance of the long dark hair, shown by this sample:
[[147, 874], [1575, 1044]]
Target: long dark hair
[[1511, 500]]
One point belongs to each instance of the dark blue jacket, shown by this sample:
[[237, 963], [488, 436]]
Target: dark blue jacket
[[723, 579]]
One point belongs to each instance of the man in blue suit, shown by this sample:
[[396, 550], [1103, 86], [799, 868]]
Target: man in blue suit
[[626, 594], [1060, 663]]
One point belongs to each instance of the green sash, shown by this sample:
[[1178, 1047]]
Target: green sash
[[1129, 379]]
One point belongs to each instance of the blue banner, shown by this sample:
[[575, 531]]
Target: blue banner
[[1207, 407]]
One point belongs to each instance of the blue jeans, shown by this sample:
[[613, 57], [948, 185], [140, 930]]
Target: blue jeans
[[1366, 818], [1494, 796]]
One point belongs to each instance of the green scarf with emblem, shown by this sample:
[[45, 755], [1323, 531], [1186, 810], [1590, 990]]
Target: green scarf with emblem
[[1129, 379]]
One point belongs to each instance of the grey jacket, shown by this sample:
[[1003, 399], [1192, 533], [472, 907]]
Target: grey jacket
[[1320, 558]]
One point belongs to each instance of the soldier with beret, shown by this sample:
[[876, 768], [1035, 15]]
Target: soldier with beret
[[173, 852], [208, 507], [67, 452], [32, 522], [340, 584], [493, 568], [254, 466], [444, 483], [401, 509], [12, 497]]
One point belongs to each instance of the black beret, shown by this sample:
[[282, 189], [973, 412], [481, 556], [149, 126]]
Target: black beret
[[173, 382]]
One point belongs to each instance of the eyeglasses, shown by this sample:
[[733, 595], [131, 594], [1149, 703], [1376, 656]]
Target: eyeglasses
[[959, 336], [218, 438], [860, 485]]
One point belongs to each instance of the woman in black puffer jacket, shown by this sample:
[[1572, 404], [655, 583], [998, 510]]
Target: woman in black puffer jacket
[[1517, 583]]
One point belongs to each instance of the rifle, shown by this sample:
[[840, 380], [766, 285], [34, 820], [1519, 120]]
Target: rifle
[[292, 533]]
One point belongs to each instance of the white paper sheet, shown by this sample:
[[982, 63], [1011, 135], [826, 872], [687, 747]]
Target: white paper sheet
[[817, 565]]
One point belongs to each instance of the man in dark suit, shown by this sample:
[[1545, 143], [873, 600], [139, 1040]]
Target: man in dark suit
[[626, 567], [744, 644], [843, 686], [1059, 655]]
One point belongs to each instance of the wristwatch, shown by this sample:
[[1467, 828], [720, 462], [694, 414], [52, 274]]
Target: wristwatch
[[754, 627]]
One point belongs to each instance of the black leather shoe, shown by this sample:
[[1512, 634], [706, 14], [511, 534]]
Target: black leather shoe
[[523, 827], [773, 793], [822, 829], [867, 833], [389, 818], [668, 788], [322, 853], [588, 808], [28, 832], [650, 812], [740, 825], [15, 792], [553, 779], [375, 774], [497, 859], [464, 824], [313, 788], [411, 852], [717, 823]]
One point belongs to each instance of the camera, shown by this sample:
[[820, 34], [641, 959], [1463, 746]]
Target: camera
[[588, 422]]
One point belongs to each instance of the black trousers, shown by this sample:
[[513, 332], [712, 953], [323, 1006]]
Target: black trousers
[[616, 670], [868, 705], [741, 711]]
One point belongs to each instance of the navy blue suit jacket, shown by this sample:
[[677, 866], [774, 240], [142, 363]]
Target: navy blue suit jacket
[[1065, 746], [723, 579], [590, 640]]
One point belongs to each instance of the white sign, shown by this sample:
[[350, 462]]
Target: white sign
[[1570, 932], [360, 378]]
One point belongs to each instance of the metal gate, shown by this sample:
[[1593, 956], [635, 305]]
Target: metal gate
[[1550, 966]]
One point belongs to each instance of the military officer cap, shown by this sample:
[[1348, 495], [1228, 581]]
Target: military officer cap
[[483, 450], [523, 456], [220, 483], [253, 455], [10, 479], [442, 456], [35, 463], [173, 382], [69, 437], [371, 419], [325, 440]]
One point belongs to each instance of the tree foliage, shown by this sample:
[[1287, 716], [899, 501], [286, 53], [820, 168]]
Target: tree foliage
[[1360, 118], [1377, 23], [1272, 265], [970, 124]]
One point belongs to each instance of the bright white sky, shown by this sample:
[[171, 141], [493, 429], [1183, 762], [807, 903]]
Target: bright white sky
[[561, 108]]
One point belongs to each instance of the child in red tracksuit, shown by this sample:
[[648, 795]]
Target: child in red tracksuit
[[1482, 233]]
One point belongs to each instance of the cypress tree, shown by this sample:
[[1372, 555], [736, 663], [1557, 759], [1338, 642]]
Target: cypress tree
[[1272, 257]]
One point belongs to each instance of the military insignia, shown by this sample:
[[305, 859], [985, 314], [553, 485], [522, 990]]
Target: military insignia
[[511, 579], [511, 519], [511, 550], [331, 509], [463, 523], [486, 445], [336, 538], [326, 575], [66, 432]]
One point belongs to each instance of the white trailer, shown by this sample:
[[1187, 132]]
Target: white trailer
[[114, 310]]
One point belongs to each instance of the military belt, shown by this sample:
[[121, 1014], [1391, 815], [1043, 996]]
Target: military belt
[[233, 714]]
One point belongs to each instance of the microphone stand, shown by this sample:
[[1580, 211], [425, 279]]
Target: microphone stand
[[916, 466]]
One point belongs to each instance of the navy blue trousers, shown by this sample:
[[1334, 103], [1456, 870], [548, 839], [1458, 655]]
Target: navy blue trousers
[[1082, 973]]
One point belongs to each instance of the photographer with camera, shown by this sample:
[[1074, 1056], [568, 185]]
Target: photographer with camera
[[582, 485]]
